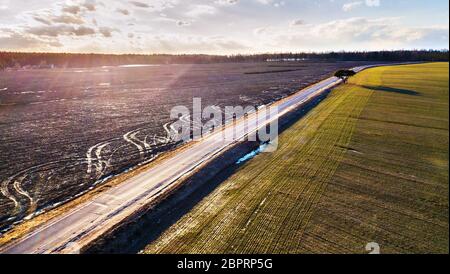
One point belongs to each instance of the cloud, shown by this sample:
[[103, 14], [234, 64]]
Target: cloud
[[90, 5], [271, 2], [71, 9], [297, 22], [156, 5], [166, 43], [48, 17], [60, 30], [42, 20], [373, 3], [4, 5], [201, 10], [140, 4], [62, 20], [68, 19], [12, 39], [192, 44], [191, 26], [352, 5], [107, 31], [351, 34], [261, 31], [264, 2], [181, 23], [123, 11], [226, 2], [279, 4]]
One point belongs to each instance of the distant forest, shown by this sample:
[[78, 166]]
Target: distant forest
[[45, 60]]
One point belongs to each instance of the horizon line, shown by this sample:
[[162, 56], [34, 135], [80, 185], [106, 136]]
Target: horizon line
[[229, 55]]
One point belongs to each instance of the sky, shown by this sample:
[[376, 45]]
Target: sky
[[222, 26]]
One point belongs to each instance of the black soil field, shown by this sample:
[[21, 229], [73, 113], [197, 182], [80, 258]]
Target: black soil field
[[62, 131]]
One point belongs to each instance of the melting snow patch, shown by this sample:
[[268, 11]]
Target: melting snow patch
[[252, 154], [138, 66]]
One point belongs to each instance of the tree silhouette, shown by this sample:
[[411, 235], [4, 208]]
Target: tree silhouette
[[344, 74], [40, 60]]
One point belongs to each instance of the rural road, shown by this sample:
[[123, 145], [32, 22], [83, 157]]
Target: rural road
[[75, 228]]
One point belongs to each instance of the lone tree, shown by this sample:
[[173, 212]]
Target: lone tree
[[344, 74]]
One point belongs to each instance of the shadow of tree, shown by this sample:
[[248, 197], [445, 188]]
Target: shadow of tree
[[394, 90]]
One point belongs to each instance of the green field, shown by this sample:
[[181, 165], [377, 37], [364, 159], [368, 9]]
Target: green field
[[369, 164]]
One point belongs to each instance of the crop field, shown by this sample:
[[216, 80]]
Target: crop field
[[369, 164], [63, 131]]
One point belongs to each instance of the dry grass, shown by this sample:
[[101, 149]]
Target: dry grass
[[370, 163]]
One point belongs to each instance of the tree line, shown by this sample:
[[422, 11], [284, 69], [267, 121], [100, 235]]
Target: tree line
[[21, 59]]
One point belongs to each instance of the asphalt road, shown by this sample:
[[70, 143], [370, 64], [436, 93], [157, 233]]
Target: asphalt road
[[75, 228]]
